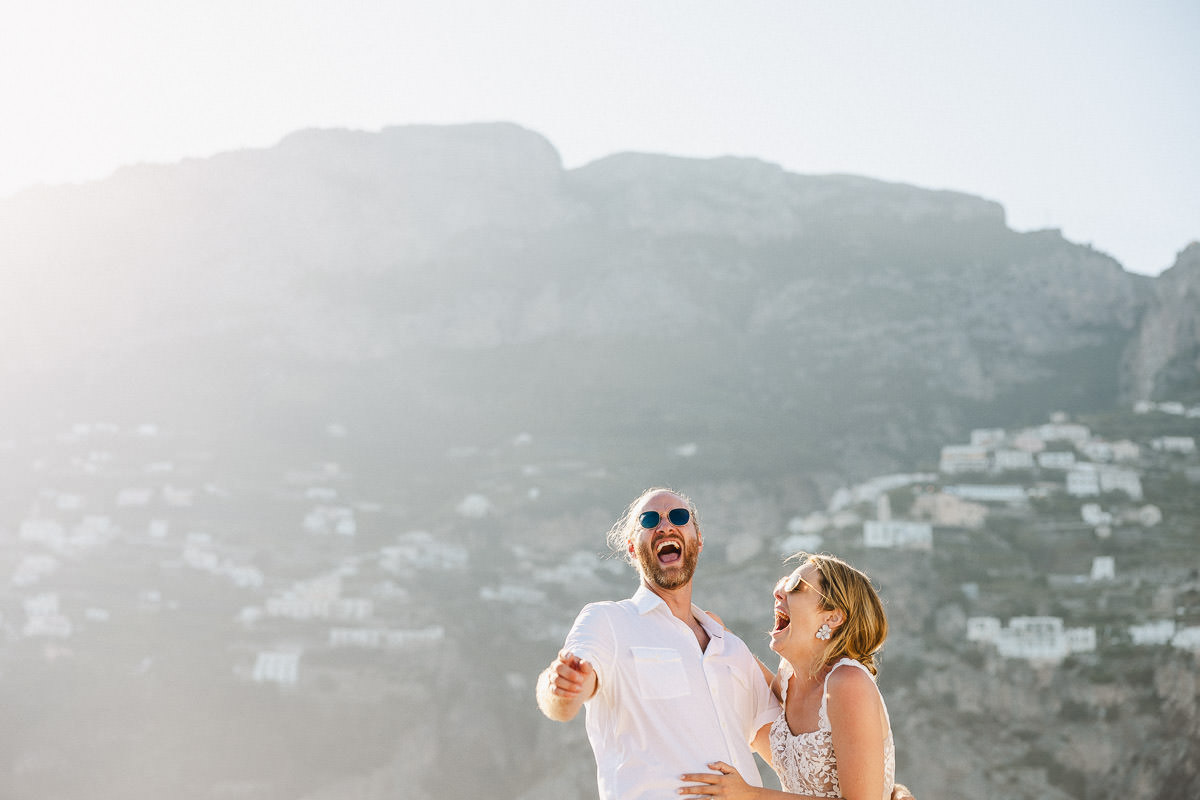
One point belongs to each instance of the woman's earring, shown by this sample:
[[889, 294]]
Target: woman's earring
[[824, 632]]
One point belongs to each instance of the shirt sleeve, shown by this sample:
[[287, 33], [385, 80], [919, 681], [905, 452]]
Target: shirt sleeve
[[592, 639], [766, 707]]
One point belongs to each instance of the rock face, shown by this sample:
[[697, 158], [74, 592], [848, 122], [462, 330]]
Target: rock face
[[1163, 361], [853, 319]]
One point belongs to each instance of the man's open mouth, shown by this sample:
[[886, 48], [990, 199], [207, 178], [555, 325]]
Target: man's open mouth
[[668, 551]]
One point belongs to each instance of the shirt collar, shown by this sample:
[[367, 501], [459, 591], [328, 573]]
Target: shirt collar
[[646, 601]]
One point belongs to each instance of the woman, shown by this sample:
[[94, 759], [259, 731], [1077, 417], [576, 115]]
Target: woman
[[833, 738]]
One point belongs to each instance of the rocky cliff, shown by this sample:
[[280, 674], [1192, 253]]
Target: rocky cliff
[[1163, 360], [856, 318]]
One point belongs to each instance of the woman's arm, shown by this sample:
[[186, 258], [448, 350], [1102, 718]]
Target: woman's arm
[[727, 784], [856, 719]]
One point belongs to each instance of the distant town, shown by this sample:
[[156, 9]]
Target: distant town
[[98, 486], [1005, 471]]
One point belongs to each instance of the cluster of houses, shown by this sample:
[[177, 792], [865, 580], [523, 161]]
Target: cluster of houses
[[1059, 457], [123, 488]]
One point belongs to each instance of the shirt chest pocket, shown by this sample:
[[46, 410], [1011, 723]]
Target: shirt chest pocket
[[660, 673]]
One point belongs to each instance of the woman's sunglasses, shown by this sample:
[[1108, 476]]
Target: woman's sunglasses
[[793, 581], [677, 517]]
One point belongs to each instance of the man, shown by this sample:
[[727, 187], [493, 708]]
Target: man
[[667, 689]]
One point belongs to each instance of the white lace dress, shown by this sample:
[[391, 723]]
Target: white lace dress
[[805, 762]]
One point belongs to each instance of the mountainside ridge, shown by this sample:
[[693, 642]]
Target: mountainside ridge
[[838, 305]]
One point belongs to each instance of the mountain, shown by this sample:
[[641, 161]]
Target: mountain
[[459, 273]]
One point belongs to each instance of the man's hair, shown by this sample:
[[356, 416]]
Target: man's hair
[[618, 535], [849, 590]]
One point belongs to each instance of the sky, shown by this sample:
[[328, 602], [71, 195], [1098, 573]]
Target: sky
[[1081, 116]]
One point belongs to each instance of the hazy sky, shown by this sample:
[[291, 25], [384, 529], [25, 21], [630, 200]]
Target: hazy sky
[[1075, 115]]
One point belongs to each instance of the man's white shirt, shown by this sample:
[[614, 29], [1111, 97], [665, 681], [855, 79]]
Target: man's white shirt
[[663, 707]]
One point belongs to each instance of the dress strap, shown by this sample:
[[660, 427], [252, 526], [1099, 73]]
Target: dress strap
[[823, 714]]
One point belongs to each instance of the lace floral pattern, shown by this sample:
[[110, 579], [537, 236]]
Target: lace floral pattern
[[805, 762]]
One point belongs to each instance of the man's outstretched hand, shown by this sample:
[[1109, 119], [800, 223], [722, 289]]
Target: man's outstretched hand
[[565, 685], [568, 674]]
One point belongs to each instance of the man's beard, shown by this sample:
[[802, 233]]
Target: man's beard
[[664, 577]]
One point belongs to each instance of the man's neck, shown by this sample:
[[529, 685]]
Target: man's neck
[[678, 600]]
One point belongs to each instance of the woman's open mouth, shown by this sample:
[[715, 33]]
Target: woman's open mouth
[[781, 621]]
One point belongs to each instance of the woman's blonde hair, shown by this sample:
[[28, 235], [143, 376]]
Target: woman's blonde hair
[[849, 590]]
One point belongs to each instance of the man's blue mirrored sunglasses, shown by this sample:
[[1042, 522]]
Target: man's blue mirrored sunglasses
[[676, 516]]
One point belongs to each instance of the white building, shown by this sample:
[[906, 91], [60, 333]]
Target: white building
[[1185, 445], [948, 510], [1004, 460], [1043, 639], [1083, 483], [869, 491], [474, 506], [274, 667], [989, 493], [1116, 479], [1149, 515], [1104, 568], [1056, 459], [43, 618], [1126, 450], [1092, 514], [376, 638], [1096, 450], [352, 608], [1029, 441], [243, 575], [421, 550], [1187, 639], [1080, 640], [958, 458], [1159, 632], [987, 437], [1064, 431], [898, 534], [325, 519]]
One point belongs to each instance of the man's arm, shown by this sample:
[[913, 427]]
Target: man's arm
[[564, 686]]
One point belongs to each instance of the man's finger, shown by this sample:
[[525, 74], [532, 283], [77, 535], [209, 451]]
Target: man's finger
[[568, 675]]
